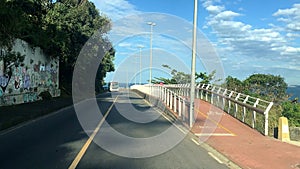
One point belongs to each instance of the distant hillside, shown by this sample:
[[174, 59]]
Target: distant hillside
[[294, 91]]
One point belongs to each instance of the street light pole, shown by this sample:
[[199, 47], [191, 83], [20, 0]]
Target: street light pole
[[151, 34], [193, 71], [140, 46]]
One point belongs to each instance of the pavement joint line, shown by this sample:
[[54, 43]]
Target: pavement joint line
[[218, 124], [88, 142], [214, 157], [195, 141]]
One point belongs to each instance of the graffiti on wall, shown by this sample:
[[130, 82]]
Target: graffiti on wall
[[22, 83]]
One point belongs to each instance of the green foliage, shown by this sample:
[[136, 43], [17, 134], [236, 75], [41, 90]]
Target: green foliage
[[12, 58], [45, 95], [60, 29], [182, 78], [269, 87], [266, 86], [234, 84], [22, 19], [292, 112], [274, 114], [105, 66]]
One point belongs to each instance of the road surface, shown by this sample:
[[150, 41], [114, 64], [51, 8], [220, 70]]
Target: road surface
[[59, 141]]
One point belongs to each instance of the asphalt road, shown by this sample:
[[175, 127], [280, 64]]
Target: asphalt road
[[134, 135]]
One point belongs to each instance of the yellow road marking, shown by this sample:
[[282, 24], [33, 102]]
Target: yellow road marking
[[218, 124], [88, 142]]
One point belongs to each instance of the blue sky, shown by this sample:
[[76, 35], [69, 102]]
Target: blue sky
[[248, 37]]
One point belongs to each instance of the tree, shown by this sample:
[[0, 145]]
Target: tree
[[71, 24], [10, 59], [60, 28], [206, 78], [234, 84], [182, 78], [268, 86]]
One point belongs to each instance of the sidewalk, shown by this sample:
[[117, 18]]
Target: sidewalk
[[240, 143]]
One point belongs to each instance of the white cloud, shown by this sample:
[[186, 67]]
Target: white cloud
[[243, 39], [246, 48], [290, 16], [288, 12], [207, 3], [293, 26], [115, 9], [288, 50], [214, 9], [226, 15]]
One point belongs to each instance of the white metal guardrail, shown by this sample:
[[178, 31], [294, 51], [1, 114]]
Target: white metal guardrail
[[177, 103], [229, 101], [237, 104]]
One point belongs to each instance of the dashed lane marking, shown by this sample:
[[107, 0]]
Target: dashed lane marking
[[195, 141], [214, 157]]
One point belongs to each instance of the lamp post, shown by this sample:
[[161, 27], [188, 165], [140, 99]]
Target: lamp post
[[151, 34], [140, 46], [193, 67]]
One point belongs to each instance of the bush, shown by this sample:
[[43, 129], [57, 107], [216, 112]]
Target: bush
[[45, 95], [292, 112]]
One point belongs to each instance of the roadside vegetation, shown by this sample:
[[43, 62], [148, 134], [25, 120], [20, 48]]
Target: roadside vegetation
[[60, 28]]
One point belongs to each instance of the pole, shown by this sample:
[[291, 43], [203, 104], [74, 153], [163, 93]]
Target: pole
[[151, 34], [193, 67], [136, 58], [150, 74], [140, 64]]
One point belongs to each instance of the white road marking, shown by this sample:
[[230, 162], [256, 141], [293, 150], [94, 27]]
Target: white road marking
[[214, 157], [195, 141], [214, 134], [184, 132]]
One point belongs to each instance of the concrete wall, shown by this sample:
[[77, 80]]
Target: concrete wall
[[295, 133], [36, 74]]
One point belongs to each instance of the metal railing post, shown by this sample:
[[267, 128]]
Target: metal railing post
[[244, 109], [179, 107], [171, 100], [267, 118], [254, 113], [236, 105], [175, 103]]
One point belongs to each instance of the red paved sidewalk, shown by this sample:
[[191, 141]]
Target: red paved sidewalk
[[240, 143]]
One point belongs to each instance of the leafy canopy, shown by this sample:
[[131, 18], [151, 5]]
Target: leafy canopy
[[179, 77], [60, 28]]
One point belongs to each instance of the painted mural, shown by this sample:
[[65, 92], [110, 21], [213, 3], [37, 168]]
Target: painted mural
[[24, 82]]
